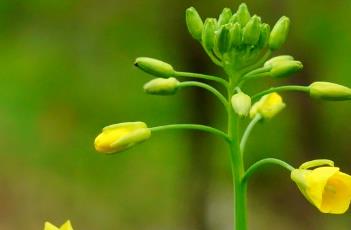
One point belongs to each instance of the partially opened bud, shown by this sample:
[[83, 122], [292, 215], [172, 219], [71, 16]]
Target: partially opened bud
[[162, 86], [194, 23], [122, 136], [225, 16], [325, 187], [241, 104], [329, 91], [208, 34], [285, 68], [224, 39], [154, 67], [252, 30], [277, 59], [65, 226], [279, 33], [268, 106], [243, 14]]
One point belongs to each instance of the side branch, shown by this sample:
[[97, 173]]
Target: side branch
[[202, 76], [282, 88]]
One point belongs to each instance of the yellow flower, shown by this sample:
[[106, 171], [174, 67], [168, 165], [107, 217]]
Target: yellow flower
[[65, 226], [268, 106], [325, 187], [119, 137]]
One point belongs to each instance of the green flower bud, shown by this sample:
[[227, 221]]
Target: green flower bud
[[276, 59], [252, 30], [224, 39], [225, 16], [330, 91], [285, 68], [208, 34], [241, 104], [154, 67], [194, 23], [235, 34], [243, 14], [234, 19], [279, 33], [264, 35], [161, 86]]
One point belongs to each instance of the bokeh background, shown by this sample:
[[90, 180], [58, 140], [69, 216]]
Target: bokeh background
[[66, 70]]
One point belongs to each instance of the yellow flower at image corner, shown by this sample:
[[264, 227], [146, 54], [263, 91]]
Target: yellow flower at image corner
[[268, 106], [65, 226], [119, 137], [325, 187]]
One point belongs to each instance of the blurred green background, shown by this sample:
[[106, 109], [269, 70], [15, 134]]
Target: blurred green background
[[66, 71]]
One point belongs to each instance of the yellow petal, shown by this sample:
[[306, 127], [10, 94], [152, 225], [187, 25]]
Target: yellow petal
[[49, 226]]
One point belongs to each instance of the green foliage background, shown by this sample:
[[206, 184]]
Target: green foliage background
[[66, 71]]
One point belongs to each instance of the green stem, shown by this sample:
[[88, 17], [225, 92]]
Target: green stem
[[247, 132], [207, 87], [282, 88], [202, 76], [203, 128], [258, 64], [263, 162], [252, 77]]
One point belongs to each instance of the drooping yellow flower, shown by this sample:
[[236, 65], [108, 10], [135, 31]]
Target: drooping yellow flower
[[325, 187], [119, 137], [65, 226], [268, 106]]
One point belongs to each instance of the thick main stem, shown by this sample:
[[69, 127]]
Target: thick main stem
[[237, 164]]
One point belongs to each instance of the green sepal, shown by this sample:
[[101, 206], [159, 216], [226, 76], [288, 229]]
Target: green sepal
[[224, 39], [236, 35], [252, 30], [208, 35], [243, 14], [225, 16], [265, 30]]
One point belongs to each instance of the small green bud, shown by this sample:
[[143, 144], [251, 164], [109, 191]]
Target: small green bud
[[194, 23], [234, 19], [252, 30], [243, 14], [330, 91], [264, 35], [162, 86], [224, 39], [235, 34], [225, 16], [154, 67], [276, 59], [285, 68], [208, 35], [241, 104], [279, 33]]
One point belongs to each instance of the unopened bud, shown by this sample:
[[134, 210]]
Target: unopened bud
[[279, 33], [241, 104], [225, 16], [251, 32], [330, 91], [208, 34], [236, 35], [277, 59], [154, 67], [243, 14], [122, 136], [264, 35], [162, 86], [194, 23], [224, 40], [268, 106], [285, 68]]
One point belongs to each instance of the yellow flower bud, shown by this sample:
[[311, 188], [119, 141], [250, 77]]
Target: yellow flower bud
[[329, 91], [241, 104], [161, 86], [154, 67], [268, 106], [119, 137], [65, 226], [277, 59], [325, 187]]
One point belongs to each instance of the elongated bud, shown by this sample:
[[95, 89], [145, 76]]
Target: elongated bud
[[268, 106], [279, 33], [277, 59], [119, 137], [252, 30], [162, 86], [154, 67], [241, 104], [236, 35], [285, 68], [264, 35], [224, 39], [208, 35], [243, 14], [194, 23], [225, 16], [330, 91]]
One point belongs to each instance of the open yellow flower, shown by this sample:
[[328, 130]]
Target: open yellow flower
[[268, 106], [325, 187], [119, 137], [65, 226]]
